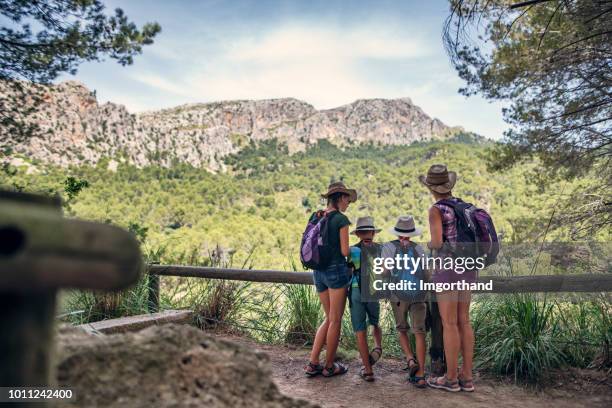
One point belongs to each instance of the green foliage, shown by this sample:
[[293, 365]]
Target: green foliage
[[85, 306], [68, 33], [545, 59], [72, 186], [40, 40], [185, 209], [304, 313], [586, 332], [525, 336], [517, 335], [139, 231]]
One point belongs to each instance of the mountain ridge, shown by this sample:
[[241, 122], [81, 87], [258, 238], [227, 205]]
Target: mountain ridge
[[73, 128]]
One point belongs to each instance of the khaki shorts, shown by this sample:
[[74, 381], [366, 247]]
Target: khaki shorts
[[418, 313]]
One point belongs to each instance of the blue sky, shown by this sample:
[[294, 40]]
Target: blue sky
[[327, 53]]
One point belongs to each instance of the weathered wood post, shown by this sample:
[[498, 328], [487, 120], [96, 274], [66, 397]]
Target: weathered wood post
[[40, 252]]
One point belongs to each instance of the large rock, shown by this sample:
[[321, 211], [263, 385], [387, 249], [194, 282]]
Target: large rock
[[75, 129], [164, 366]]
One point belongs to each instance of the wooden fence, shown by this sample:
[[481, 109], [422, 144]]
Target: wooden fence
[[501, 284]]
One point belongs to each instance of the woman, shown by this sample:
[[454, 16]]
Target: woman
[[332, 282], [454, 305]]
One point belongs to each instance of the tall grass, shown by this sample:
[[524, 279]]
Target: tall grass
[[516, 334], [303, 312], [214, 302], [520, 335], [587, 331], [81, 307]]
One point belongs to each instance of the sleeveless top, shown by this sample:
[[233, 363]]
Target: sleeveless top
[[449, 226], [449, 237]]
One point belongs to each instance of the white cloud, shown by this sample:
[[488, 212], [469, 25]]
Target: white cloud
[[325, 65], [317, 64], [303, 43], [161, 83]]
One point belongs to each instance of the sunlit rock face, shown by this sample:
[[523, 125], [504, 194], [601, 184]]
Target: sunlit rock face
[[74, 129]]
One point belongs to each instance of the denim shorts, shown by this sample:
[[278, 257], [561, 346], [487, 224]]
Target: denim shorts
[[335, 276]]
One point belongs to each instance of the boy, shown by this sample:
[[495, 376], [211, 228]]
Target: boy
[[365, 231], [404, 302]]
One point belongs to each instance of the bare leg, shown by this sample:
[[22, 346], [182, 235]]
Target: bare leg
[[319, 340], [364, 352], [405, 344], [337, 300], [447, 303], [466, 333], [420, 352], [377, 333]]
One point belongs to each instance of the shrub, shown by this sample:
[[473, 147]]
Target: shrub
[[303, 312], [517, 335]]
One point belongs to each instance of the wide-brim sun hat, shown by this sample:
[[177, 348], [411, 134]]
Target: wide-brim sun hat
[[405, 227], [339, 187], [439, 179], [364, 224]]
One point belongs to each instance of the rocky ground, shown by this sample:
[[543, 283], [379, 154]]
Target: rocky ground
[[180, 366], [577, 388], [165, 366]]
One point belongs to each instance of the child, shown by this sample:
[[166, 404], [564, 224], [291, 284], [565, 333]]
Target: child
[[409, 301], [365, 231]]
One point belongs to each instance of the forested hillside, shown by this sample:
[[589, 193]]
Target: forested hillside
[[262, 202]]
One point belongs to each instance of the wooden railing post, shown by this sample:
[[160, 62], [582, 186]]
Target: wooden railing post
[[40, 252], [26, 317]]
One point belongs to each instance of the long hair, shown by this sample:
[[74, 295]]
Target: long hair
[[333, 199]]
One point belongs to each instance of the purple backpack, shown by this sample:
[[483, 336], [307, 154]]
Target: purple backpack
[[315, 252], [476, 235]]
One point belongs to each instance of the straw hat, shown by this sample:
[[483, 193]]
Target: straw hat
[[404, 227], [439, 179], [339, 187], [365, 224]]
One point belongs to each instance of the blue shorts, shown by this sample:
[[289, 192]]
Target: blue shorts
[[363, 313], [335, 276]]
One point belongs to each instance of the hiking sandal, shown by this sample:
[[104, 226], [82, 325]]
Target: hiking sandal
[[335, 369], [451, 386], [466, 385], [412, 366], [312, 370], [419, 382], [369, 377], [375, 355]]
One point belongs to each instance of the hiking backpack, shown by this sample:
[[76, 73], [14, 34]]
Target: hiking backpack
[[315, 252], [410, 275], [476, 235]]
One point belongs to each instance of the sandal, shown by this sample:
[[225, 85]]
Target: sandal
[[375, 355], [419, 382], [412, 366], [369, 377], [466, 385], [312, 370], [451, 386], [335, 369]]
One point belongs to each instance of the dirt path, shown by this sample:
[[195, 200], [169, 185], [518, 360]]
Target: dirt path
[[391, 389]]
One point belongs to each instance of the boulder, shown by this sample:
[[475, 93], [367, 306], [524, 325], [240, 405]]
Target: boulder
[[164, 366]]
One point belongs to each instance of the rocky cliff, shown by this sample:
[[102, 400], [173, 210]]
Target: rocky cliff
[[73, 128]]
